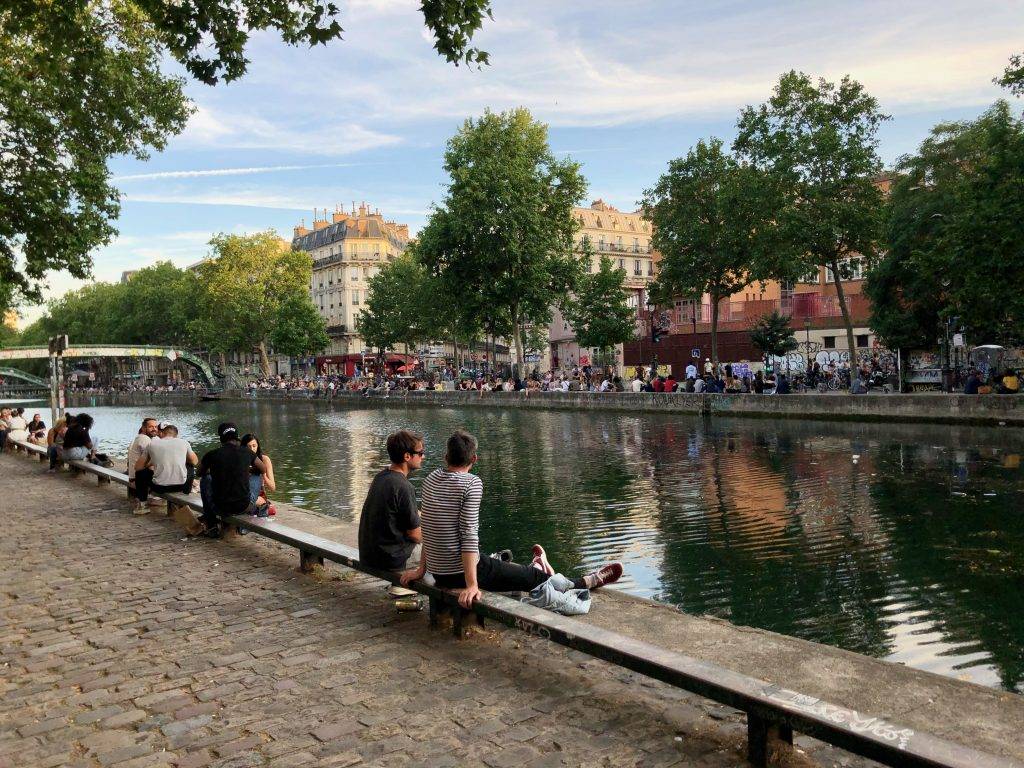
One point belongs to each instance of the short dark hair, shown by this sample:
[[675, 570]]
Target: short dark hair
[[461, 448], [402, 442], [84, 420], [171, 428]]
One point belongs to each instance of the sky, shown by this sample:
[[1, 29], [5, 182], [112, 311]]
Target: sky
[[623, 86]]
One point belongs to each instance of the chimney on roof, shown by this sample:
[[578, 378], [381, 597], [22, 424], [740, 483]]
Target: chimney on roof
[[319, 223], [301, 230]]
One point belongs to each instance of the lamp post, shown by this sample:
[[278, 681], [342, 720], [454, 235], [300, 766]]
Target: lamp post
[[807, 342]]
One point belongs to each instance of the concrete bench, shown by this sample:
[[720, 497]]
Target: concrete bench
[[773, 713]]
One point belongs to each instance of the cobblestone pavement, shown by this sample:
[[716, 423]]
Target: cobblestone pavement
[[123, 644]]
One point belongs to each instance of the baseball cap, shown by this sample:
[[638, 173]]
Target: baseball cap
[[227, 431]]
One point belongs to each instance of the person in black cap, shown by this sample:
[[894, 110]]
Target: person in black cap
[[224, 483]]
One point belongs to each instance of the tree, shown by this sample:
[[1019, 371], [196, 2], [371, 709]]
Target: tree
[[1013, 75], [598, 310], [773, 335], [299, 330], [503, 236], [713, 223], [955, 232], [156, 306], [819, 144], [400, 306], [244, 286], [81, 82]]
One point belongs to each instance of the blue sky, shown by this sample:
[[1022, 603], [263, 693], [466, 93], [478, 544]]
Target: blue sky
[[624, 87]]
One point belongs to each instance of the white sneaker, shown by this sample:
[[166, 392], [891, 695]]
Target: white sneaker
[[140, 510]]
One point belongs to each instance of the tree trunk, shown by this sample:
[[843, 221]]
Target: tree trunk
[[223, 363], [264, 360], [517, 338], [841, 296], [714, 332]]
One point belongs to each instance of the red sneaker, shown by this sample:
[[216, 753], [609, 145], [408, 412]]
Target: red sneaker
[[606, 574]]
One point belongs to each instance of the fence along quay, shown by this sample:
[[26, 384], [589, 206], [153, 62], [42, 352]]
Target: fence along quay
[[773, 713]]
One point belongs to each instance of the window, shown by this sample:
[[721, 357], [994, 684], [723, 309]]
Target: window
[[622, 263], [810, 277], [637, 270], [636, 245], [355, 274], [618, 242], [862, 340], [355, 298], [829, 342], [650, 268], [600, 243], [852, 269]]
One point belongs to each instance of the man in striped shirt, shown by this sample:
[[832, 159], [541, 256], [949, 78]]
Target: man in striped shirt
[[450, 519]]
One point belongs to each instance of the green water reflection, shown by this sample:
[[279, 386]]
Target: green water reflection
[[911, 551]]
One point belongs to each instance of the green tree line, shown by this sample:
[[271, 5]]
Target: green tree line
[[250, 295], [801, 189]]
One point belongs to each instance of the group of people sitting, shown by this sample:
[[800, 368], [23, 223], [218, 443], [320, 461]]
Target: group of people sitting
[[438, 540], [13, 425], [232, 479]]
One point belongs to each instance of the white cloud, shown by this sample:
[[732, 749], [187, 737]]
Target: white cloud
[[319, 133], [608, 64]]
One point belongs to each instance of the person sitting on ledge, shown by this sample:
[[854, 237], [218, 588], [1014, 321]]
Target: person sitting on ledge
[[77, 442], [450, 517], [171, 464], [973, 383], [389, 525], [224, 486]]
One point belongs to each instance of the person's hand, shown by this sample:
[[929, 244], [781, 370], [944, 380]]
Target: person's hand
[[408, 577], [468, 596]]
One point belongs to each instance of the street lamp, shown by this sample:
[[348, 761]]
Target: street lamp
[[807, 341]]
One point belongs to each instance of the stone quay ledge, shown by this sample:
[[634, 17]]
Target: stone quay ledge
[[939, 408], [126, 644]]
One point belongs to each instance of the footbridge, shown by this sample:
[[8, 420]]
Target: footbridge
[[14, 373], [113, 350]]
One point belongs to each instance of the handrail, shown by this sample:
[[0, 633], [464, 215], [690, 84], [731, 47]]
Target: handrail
[[773, 712]]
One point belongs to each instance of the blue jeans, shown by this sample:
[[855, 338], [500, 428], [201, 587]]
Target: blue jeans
[[211, 515]]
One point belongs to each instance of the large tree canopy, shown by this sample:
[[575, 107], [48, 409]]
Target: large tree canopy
[[819, 141], [504, 232], [81, 82], [956, 235], [714, 223]]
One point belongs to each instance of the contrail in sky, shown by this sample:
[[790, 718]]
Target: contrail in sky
[[231, 171]]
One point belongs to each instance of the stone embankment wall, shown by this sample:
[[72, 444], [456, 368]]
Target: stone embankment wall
[[953, 409]]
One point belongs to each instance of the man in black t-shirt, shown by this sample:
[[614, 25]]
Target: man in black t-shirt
[[389, 526], [224, 483]]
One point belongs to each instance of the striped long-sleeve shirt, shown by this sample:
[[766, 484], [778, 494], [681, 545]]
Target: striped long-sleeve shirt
[[450, 516]]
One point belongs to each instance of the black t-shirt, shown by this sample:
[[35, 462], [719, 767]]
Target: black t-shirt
[[388, 512], [77, 436], [228, 467]]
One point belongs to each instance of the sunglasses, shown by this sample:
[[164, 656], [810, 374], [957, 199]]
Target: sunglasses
[[417, 453]]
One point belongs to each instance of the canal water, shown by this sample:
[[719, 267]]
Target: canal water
[[903, 542]]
